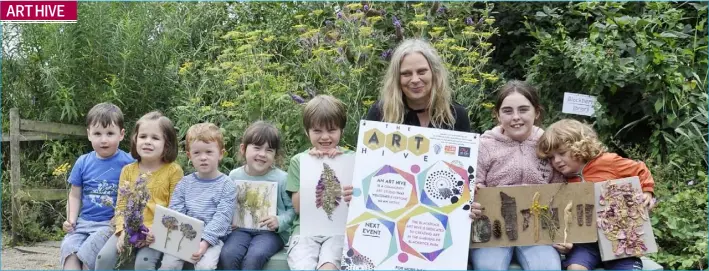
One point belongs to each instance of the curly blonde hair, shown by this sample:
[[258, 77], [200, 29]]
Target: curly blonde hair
[[573, 136], [391, 95]]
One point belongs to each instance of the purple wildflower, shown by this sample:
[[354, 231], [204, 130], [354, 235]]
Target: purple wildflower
[[339, 15], [397, 23], [469, 21], [386, 54], [366, 7], [296, 98], [328, 23], [481, 20], [442, 9]]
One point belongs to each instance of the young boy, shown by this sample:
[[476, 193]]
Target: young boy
[[94, 188], [207, 195], [324, 119], [575, 151]]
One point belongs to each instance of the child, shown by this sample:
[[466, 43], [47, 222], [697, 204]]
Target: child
[[324, 119], [94, 185], [576, 152], [247, 249], [154, 145], [207, 195], [506, 157]]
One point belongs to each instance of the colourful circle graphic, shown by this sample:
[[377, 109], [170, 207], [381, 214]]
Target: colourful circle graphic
[[356, 192], [415, 169], [403, 257]]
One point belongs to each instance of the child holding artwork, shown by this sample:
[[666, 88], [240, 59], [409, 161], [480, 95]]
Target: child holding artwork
[[324, 119], [247, 249], [154, 145], [507, 157], [94, 186], [207, 195], [575, 151]]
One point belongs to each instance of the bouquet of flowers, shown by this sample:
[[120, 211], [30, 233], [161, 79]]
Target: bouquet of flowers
[[136, 200]]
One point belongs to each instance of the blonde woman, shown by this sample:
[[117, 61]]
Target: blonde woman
[[415, 91]]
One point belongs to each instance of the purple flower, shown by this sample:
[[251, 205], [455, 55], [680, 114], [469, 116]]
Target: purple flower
[[328, 23], [469, 21], [366, 7], [296, 98], [481, 20], [397, 23], [386, 54], [137, 236], [442, 9], [339, 15]]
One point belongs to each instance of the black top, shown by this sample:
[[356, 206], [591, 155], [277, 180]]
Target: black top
[[460, 115]]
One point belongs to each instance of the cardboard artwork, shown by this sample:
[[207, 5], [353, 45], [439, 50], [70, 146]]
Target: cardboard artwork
[[176, 234], [255, 200], [535, 215], [321, 201], [411, 198], [620, 202]]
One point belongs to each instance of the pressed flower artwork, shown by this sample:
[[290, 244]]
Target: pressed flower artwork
[[176, 234], [255, 200], [321, 197], [624, 227]]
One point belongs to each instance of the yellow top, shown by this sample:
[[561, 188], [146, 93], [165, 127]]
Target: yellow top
[[161, 184]]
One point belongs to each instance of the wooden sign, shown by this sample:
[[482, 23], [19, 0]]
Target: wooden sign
[[619, 202], [535, 215]]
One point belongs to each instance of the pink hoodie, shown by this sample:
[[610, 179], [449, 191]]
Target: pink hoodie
[[503, 161]]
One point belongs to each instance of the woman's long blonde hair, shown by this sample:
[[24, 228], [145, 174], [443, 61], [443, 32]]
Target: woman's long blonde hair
[[390, 95]]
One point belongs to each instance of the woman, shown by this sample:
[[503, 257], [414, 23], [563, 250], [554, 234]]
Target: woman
[[507, 157], [415, 91]]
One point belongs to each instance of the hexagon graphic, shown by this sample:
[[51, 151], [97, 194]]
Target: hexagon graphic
[[374, 139], [389, 191], [374, 235], [443, 186], [424, 233], [396, 142], [418, 144]]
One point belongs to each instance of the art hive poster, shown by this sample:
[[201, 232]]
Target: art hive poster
[[535, 215], [176, 234], [323, 209], [620, 202], [411, 199], [255, 200]]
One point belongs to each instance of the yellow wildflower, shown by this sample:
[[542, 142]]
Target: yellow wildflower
[[185, 68], [254, 33], [195, 100], [244, 48], [300, 27], [488, 105], [367, 102], [419, 16], [226, 65], [317, 12], [205, 108], [358, 70], [366, 47], [485, 44], [434, 34], [268, 39], [298, 17], [458, 48], [453, 21], [354, 6], [439, 28], [489, 20], [357, 15], [365, 31], [469, 34], [419, 5], [61, 169], [486, 34], [420, 24], [311, 33], [470, 80], [448, 40], [341, 43], [227, 104], [374, 19]]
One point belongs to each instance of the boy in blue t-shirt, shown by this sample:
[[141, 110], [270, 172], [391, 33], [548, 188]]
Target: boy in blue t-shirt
[[94, 187]]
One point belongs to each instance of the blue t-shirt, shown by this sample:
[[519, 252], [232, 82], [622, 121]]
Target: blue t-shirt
[[98, 179]]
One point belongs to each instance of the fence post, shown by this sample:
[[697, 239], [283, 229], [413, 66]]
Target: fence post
[[15, 178]]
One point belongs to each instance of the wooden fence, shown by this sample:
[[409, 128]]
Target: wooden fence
[[30, 130]]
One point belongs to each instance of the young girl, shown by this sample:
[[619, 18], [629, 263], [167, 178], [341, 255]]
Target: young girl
[[154, 145], [247, 249], [507, 157], [575, 151]]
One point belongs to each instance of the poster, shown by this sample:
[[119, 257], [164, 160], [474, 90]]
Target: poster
[[563, 213], [411, 198], [255, 200], [323, 210], [619, 202], [176, 234]]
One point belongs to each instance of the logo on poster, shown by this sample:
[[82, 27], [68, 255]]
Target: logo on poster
[[450, 149], [437, 148], [464, 151], [396, 142]]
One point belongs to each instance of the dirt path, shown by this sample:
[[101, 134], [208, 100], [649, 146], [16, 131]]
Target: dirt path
[[44, 255]]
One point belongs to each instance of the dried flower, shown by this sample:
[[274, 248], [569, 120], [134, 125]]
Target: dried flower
[[621, 218], [170, 223], [136, 200], [187, 232]]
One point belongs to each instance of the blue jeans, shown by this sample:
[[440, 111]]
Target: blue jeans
[[249, 249], [529, 257]]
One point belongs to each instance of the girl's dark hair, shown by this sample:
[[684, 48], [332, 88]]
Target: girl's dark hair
[[262, 132], [524, 88], [169, 153]]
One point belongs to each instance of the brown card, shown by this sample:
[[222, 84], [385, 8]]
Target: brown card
[[517, 228], [645, 242]]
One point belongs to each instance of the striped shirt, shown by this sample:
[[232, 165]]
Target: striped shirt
[[212, 201]]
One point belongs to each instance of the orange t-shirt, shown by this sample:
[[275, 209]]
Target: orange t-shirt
[[610, 166]]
